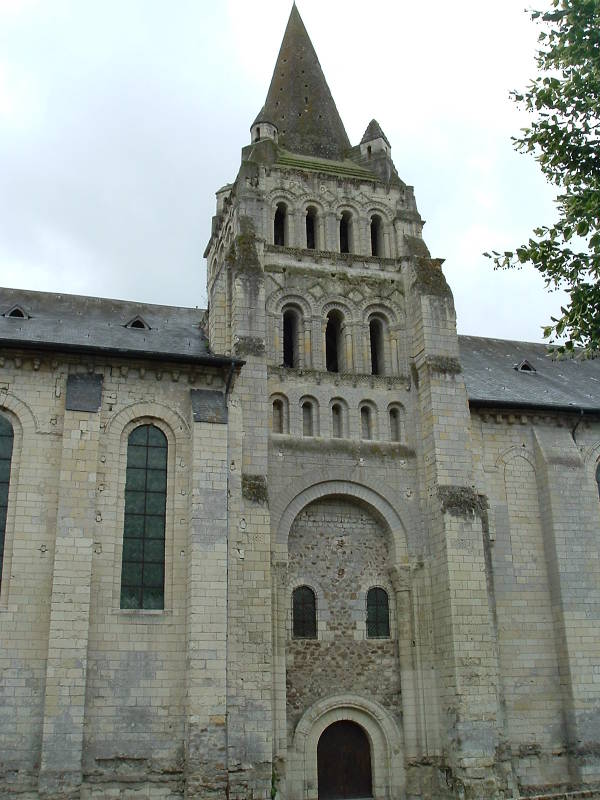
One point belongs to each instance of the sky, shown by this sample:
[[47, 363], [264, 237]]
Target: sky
[[119, 119]]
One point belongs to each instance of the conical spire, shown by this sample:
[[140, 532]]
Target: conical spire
[[299, 102]]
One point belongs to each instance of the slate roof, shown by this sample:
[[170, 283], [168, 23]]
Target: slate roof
[[491, 378], [299, 101], [93, 324]]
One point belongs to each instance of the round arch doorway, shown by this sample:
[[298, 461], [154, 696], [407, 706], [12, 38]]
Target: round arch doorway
[[344, 762]]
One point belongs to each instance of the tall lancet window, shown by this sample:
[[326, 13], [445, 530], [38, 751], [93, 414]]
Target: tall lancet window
[[311, 228], [143, 566], [291, 338], [376, 236], [346, 233], [6, 449], [377, 348], [280, 225], [333, 342]]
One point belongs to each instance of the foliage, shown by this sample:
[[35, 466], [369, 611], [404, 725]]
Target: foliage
[[565, 139]]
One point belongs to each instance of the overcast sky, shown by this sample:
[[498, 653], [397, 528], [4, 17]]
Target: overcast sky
[[119, 119]]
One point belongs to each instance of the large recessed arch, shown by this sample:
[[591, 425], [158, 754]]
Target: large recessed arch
[[380, 506], [385, 738]]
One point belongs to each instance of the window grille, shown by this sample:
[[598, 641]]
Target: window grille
[[378, 614], [6, 448], [304, 613], [143, 566]]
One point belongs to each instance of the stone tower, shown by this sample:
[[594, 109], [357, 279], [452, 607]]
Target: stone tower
[[355, 470]]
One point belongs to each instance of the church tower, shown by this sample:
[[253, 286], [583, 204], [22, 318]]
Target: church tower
[[351, 509]]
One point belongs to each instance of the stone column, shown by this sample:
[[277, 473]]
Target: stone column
[[276, 326], [308, 355], [66, 669], [322, 325], [400, 577], [346, 333]]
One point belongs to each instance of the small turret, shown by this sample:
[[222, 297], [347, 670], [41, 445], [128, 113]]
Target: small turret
[[262, 128], [376, 153], [374, 141]]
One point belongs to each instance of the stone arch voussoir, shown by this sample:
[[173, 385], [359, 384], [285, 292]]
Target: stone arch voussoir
[[381, 505], [381, 729], [21, 412]]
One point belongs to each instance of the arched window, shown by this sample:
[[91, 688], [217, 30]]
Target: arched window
[[311, 228], [6, 448], [598, 477], [280, 224], [304, 613], [366, 423], [346, 233], [333, 341], [291, 338], [337, 421], [376, 338], [307, 418], [378, 613], [376, 236], [143, 567], [277, 416], [395, 425]]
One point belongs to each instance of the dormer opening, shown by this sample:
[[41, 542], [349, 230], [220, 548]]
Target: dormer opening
[[138, 323], [279, 225], [311, 228], [525, 366], [17, 312]]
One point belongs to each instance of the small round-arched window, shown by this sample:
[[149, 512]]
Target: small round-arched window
[[378, 614], [280, 225], [598, 477], [304, 613]]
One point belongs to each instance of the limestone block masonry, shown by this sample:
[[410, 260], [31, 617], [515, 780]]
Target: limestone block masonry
[[311, 520]]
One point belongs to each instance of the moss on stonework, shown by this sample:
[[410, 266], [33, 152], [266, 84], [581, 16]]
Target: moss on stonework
[[371, 281], [416, 246], [444, 365], [462, 501], [254, 489], [243, 255], [430, 280], [249, 346]]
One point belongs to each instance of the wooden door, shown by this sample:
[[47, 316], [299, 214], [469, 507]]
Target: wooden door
[[344, 762]]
